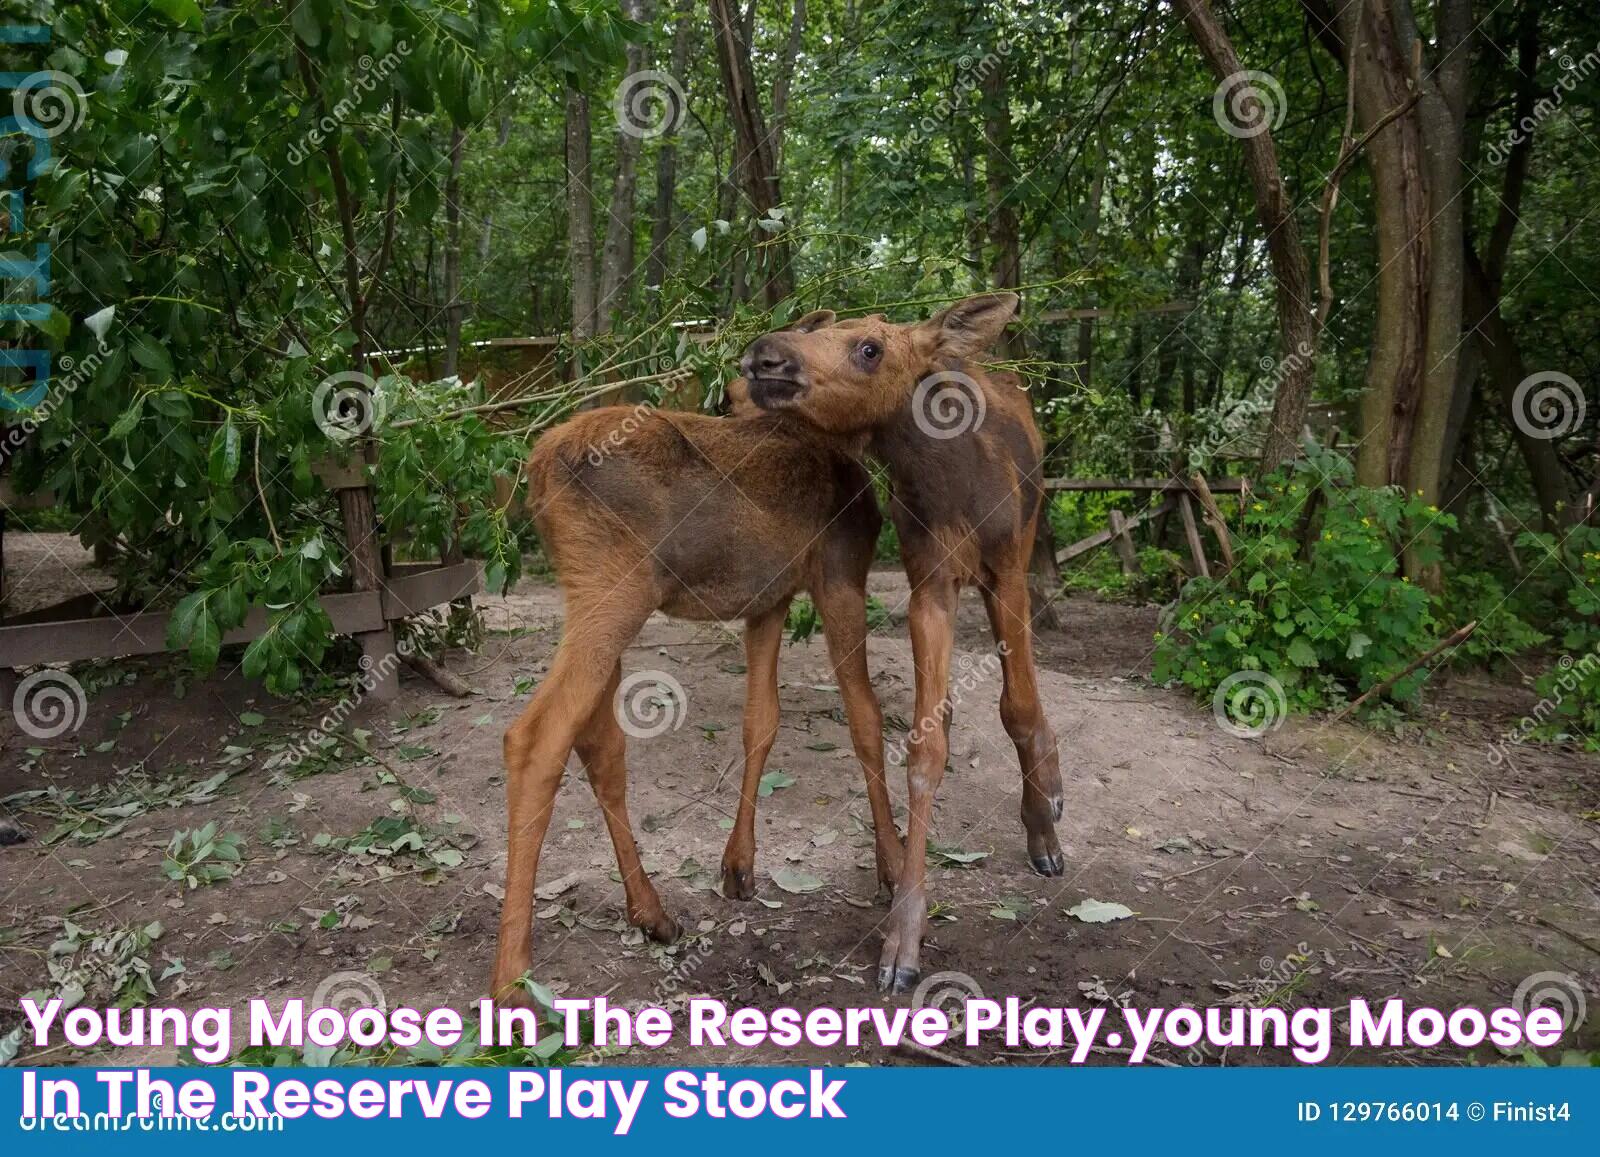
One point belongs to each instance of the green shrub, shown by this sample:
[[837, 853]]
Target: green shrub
[[1570, 689], [1502, 630], [1315, 600]]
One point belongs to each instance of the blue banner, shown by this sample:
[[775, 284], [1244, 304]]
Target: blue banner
[[796, 1110]]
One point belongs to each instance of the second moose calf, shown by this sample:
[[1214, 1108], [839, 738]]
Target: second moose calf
[[963, 456]]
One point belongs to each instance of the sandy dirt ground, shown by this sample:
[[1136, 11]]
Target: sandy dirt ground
[[1312, 865]]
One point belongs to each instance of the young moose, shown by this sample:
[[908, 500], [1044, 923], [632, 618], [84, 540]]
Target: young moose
[[963, 458], [703, 518]]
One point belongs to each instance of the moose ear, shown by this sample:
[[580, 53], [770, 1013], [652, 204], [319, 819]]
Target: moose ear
[[814, 320], [971, 326]]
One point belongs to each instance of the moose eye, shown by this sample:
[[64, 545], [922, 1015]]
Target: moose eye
[[870, 351]]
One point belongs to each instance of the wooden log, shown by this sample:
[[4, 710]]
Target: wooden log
[[1122, 541], [360, 519], [1100, 537], [1197, 549], [1213, 517], [67, 640]]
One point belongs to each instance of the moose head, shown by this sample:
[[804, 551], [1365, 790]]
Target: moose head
[[851, 375]]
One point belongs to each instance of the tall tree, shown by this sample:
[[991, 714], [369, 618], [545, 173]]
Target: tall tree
[[580, 212], [454, 307], [616, 255], [755, 167], [1291, 273], [662, 217]]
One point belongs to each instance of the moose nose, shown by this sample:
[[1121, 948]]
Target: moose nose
[[767, 359]]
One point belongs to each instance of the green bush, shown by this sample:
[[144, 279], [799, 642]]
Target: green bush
[[1315, 600], [1502, 629], [1570, 690]]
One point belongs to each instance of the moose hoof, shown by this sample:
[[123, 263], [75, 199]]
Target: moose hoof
[[1053, 864], [895, 979], [663, 929], [739, 883]]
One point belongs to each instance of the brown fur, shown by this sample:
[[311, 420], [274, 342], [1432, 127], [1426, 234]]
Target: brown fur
[[703, 518], [966, 507]]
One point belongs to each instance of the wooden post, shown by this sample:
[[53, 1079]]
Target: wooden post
[[360, 518], [1213, 517], [1197, 548], [367, 573], [1123, 541]]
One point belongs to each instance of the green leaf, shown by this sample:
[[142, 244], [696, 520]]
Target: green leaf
[[1099, 911], [224, 464], [153, 356], [304, 22], [184, 12], [796, 881], [1302, 654]]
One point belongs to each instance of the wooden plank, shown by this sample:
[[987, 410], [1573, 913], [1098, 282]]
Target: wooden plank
[[1138, 485], [1122, 541], [145, 633], [1100, 537], [1083, 546], [412, 588], [1197, 549]]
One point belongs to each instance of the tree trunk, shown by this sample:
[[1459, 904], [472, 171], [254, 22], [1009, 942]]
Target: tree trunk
[[784, 79], [662, 217], [1503, 359], [1377, 69], [580, 214], [1006, 272], [616, 255], [1091, 253], [755, 167], [453, 305], [1442, 116], [1289, 268]]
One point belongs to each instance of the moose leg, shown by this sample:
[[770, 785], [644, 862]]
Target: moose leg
[[603, 748], [933, 616], [1023, 717], [844, 623], [763, 637], [536, 748]]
